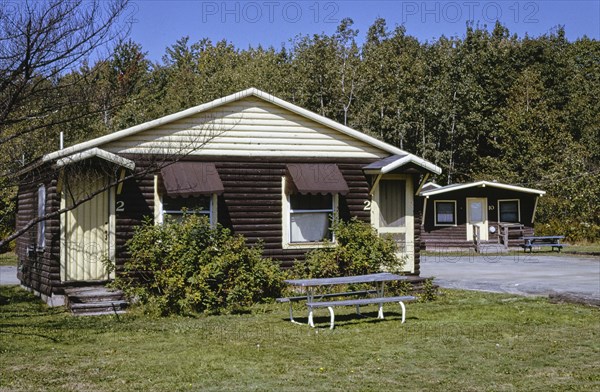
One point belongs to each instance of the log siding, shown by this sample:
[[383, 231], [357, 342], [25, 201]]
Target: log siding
[[38, 269], [250, 205]]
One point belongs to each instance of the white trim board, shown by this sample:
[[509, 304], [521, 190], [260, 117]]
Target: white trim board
[[481, 184], [385, 147]]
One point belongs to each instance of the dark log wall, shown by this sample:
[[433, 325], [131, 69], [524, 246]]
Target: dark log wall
[[418, 214], [39, 269], [136, 202], [435, 236], [250, 205]]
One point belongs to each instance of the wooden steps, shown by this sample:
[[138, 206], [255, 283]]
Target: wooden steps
[[95, 301]]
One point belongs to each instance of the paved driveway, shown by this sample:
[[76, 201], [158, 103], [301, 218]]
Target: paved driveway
[[519, 274], [525, 274], [8, 275]]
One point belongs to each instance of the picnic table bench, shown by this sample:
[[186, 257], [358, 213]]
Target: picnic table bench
[[552, 241], [314, 300]]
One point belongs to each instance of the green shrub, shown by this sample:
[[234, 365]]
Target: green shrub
[[429, 291], [573, 230], [358, 250], [187, 266]]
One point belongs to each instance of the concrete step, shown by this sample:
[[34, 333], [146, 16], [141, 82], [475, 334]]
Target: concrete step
[[96, 308], [95, 300], [93, 294], [111, 313]]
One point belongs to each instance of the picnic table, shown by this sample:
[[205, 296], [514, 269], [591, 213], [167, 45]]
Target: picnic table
[[552, 241], [313, 297]]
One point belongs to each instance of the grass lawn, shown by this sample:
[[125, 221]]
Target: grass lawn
[[465, 341], [8, 259], [583, 248]]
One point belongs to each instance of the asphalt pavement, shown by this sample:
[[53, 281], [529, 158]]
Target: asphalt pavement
[[8, 275], [523, 274]]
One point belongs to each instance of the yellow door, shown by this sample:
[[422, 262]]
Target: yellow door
[[477, 216], [392, 214], [86, 231]]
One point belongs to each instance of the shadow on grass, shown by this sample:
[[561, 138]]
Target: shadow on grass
[[38, 335], [352, 318], [15, 294]]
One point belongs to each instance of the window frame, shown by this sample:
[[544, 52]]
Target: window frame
[[500, 201], [160, 213], [435, 215], [287, 211], [40, 241]]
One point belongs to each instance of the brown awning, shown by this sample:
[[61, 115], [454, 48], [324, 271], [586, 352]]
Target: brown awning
[[317, 178], [185, 179]]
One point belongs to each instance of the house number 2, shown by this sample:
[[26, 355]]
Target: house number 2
[[120, 206], [367, 204]]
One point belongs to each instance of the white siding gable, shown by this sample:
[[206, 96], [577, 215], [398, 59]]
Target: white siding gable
[[247, 127]]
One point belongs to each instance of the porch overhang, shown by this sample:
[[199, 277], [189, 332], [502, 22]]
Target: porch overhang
[[408, 162], [96, 153]]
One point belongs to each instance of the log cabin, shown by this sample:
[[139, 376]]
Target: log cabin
[[496, 213], [261, 166]]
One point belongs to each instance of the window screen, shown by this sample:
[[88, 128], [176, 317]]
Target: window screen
[[392, 203], [175, 206], [309, 217], [41, 211], [445, 213], [509, 211]]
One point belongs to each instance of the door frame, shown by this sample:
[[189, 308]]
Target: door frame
[[409, 228], [483, 225], [111, 231]]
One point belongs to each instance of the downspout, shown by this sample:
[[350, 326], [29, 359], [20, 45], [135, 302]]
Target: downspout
[[424, 210], [375, 183], [422, 184]]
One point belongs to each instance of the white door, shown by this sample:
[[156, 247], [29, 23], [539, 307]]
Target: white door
[[86, 231], [392, 214], [477, 216]]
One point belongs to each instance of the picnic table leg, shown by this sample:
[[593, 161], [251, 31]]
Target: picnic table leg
[[380, 293], [332, 316], [310, 298], [292, 315], [403, 307]]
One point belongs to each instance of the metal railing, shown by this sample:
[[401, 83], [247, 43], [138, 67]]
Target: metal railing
[[476, 237]]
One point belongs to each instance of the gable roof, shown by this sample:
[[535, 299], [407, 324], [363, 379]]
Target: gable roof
[[429, 186], [480, 184], [394, 162], [96, 152], [251, 92]]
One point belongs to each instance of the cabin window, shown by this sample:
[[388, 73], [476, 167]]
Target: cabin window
[[392, 203], [509, 211], [176, 207], [310, 195], [41, 212], [445, 212], [310, 217]]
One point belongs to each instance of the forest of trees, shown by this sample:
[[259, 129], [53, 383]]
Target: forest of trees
[[485, 106]]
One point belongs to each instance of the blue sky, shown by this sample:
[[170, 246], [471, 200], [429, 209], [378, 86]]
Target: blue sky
[[157, 24]]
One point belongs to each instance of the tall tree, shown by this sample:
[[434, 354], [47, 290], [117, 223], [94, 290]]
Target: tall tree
[[43, 46], [41, 42]]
